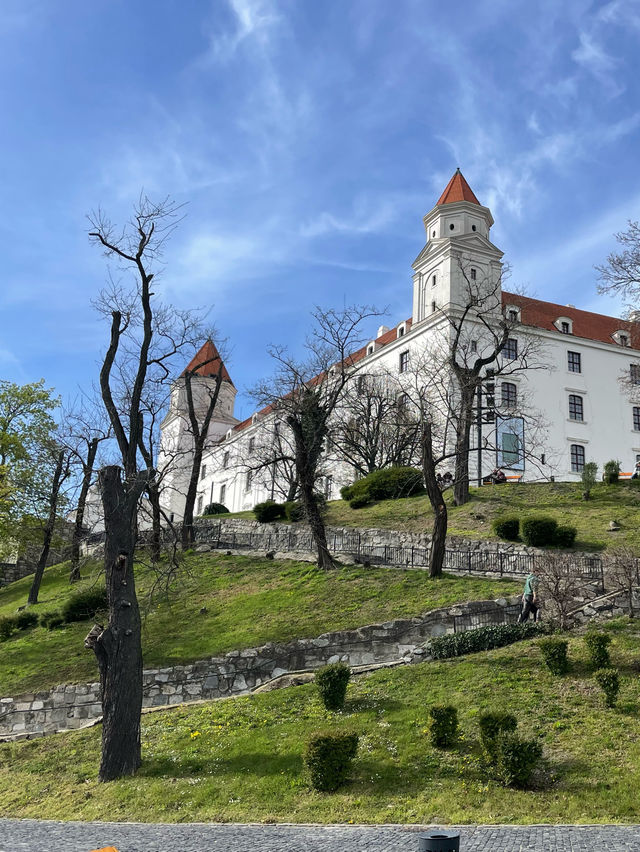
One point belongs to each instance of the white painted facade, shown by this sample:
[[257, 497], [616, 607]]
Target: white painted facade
[[582, 405]]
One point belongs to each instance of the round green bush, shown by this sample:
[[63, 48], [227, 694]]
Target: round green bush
[[390, 483], [611, 471], [26, 619], [269, 511], [215, 509], [492, 724], [554, 653], [84, 605], [597, 643], [359, 502], [8, 626], [332, 683], [328, 756], [538, 531], [516, 759], [609, 682], [565, 535], [345, 492], [507, 528], [294, 511], [444, 725]]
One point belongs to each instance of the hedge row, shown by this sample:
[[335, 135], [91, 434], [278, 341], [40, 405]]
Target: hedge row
[[535, 531], [388, 484], [482, 639], [80, 607]]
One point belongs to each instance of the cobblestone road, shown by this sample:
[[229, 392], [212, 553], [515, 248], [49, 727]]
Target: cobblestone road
[[36, 836]]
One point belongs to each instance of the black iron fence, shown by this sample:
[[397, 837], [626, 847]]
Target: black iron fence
[[485, 617]]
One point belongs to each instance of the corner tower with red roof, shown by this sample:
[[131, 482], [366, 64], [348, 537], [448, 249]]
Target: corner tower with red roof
[[458, 261]]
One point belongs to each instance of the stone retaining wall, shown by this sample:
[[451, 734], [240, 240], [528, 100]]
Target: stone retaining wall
[[239, 672]]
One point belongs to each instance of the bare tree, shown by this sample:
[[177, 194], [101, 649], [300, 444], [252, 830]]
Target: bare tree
[[118, 646], [622, 574], [61, 460], [305, 394], [371, 429], [559, 585], [269, 456], [621, 273]]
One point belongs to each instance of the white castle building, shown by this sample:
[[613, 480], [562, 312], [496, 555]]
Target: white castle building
[[579, 384]]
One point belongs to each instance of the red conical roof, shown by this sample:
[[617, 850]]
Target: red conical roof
[[209, 360], [457, 190]]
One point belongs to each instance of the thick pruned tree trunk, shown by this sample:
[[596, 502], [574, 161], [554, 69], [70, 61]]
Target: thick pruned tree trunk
[[118, 647], [436, 498], [463, 434], [58, 478], [190, 501], [78, 529]]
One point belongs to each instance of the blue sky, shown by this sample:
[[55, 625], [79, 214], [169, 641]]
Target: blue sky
[[309, 138]]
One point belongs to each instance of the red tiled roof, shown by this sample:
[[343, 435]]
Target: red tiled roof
[[457, 190], [585, 324], [358, 355], [209, 359]]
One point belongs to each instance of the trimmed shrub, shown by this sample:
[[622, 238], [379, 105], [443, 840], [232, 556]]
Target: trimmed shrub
[[84, 605], [507, 528], [8, 626], [588, 476], [332, 683], [26, 619], [565, 535], [492, 724], [516, 759], [611, 471], [215, 509], [51, 620], [482, 639], [554, 653], [269, 511], [390, 483], [294, 511], [609, 682], [328, 756], [444, 725], [537, 532], [359, 502], [596, 643]]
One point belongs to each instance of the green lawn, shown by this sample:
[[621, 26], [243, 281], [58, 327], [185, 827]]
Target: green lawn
[[562, 500], [247, 602], [240, 760]]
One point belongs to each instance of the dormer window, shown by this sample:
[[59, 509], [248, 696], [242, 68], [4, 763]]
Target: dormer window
[[512, 313], [401, 330], [621, 337], [564, 325], [371, 348], [254, 418]]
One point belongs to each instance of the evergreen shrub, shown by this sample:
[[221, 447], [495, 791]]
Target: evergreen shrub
[[328, 756], [444, 725], [294, 511], [8, 626], [611, 471], [482, 639], [84, 605], [516, 759], [596, 643], [269, 511], [507, 528], [554, 653], [26, 619], [609, 682], [565, 535], [387, 484], [538, 532], [359, 502], [332, 683], [215, 509], [51, 620], [492, 724]]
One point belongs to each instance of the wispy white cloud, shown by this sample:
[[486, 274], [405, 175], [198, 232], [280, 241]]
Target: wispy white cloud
[[252, 20], [369, 216]]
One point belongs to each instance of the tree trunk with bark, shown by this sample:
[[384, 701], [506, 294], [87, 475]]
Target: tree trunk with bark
[[192, 490], [461, 478], [58, 479], [156, 522], [436, 498], [118, 647], [78, 529]]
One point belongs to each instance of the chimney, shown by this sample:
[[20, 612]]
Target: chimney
[[382, 330], [634, 316]]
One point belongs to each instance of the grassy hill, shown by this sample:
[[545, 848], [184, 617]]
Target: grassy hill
[[241, 760], [562, 500], [222, 603]]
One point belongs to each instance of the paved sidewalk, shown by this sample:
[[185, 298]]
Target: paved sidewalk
[[37, 836]]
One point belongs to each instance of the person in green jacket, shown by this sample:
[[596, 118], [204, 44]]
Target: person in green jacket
[[530, 600]]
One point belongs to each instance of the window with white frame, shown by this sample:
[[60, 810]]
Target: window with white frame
[[574, 362], [223, 492], [247, 480], [200, 501], [203, 471], [510, 351], [474, 274], [576, 407], [404, 361], [509, 394], [634, 374], [577, 458], [252, 444], [225, 461], [636, 418]]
